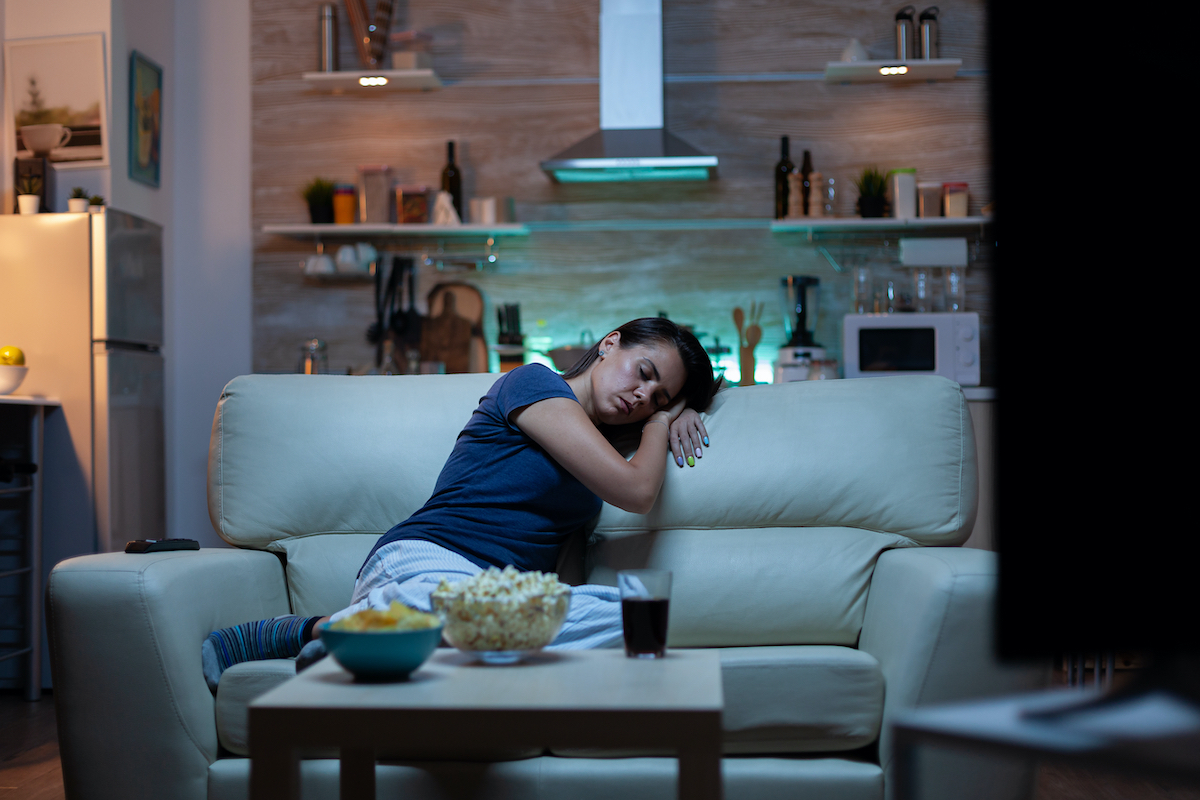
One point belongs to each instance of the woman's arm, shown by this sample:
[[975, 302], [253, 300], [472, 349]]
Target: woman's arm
[[561, 428]]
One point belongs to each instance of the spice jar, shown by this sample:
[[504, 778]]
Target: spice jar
[[929, 199], [344, 204], [374, 194], [954, 199]]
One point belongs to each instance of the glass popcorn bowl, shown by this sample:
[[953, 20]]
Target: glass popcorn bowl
[[502, 617]]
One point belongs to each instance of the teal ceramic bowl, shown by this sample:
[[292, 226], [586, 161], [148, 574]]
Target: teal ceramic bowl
[[381, 655]]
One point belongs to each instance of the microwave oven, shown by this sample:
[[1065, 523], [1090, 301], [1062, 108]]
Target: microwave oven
[[875, 345]]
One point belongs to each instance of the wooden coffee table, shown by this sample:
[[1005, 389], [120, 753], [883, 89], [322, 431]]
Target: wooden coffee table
[[577, 699]]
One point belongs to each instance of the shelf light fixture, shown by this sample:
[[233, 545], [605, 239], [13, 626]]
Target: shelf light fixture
[[899, 69], [372, 80]]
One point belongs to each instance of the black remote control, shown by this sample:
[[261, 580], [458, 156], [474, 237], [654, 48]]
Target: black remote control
[[160, 545]]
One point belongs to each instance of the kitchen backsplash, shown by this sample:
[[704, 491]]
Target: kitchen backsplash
[[509, 101]]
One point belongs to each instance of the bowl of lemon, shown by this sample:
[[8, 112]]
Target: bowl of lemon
[[12, 369], [386, 645]]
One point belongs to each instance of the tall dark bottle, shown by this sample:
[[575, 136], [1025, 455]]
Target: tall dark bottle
[[806, 169], [452, 180], [782, 170]]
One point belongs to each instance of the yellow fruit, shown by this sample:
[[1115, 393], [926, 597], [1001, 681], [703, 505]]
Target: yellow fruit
[[11, 356]]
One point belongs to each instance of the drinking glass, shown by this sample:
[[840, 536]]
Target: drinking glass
[[645, 606], [864, 291], [923, 290], [956, 290]]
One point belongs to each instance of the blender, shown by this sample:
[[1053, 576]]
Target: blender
[[799, 323]]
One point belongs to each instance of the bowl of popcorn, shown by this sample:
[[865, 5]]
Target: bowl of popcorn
[[386, 645], [502, 615]]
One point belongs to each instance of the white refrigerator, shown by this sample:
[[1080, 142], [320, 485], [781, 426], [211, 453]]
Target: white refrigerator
[[81, 295]]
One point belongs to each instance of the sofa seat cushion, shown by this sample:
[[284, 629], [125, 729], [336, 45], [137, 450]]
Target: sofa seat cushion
[[791, 699], [800, 699], [240, 684]]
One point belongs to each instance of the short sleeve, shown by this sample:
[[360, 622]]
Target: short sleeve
[[527, 385]]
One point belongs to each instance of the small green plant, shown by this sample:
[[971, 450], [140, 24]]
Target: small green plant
[[95, 200], [79, 193], [872, 182], [29, 184], [318, 192]]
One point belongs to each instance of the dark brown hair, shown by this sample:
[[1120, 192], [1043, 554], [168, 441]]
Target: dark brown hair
[[698, 388]]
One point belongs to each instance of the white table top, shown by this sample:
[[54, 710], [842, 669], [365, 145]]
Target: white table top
[[29, 400], [575, 680]]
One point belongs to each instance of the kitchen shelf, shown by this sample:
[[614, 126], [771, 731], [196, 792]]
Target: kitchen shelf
[[411, 230], [870, 224], [917, 70], [397, 80]]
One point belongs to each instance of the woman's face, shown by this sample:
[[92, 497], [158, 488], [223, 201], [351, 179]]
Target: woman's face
[[631, 383]]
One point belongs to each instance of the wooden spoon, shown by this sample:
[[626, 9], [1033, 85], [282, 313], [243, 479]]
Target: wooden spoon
[[753, 336], [739, 317]]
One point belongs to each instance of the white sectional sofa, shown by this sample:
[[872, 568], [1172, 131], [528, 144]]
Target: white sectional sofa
[[815, 546]]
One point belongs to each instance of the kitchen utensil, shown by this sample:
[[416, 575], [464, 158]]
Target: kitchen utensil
[[452, 334], [956, 290], [864, 293], [746, 361], [739, 319]]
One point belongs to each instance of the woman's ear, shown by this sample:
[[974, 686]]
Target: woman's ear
[[609, 342]]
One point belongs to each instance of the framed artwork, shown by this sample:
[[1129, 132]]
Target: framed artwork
[[55, 89], [145, 119]]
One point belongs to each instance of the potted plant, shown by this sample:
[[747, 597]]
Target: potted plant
[[78, 201], [96, 204], [319, 196], [872, 186], [29, 194]]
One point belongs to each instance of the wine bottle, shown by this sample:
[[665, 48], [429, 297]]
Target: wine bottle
[[806, 169], [782, 170], [452, 180]]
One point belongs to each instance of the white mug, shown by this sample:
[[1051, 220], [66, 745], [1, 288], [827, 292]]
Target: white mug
[[41, 139], [319, 264]]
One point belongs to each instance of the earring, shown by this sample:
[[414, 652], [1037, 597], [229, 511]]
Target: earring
[[602, 352]]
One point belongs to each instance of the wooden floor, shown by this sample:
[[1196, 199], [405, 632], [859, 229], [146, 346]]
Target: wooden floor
[[30, 770]]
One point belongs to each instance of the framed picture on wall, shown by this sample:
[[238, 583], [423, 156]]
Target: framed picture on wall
[[56, 99], [145, 119]]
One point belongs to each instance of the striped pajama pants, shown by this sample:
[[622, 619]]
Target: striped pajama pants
[[410, 569]]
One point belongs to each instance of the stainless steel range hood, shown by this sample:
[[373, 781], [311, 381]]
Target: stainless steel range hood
[[632, 144]]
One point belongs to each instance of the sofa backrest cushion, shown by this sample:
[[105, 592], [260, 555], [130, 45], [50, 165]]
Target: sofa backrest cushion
[[293, 455], [773, 534]]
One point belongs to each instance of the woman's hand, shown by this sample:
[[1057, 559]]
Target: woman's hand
[[687, 435]]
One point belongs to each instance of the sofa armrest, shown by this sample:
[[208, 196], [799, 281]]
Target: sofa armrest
[[930, 622], [135, 717]]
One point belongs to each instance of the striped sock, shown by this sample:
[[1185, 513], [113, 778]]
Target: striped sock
[[279, 637]]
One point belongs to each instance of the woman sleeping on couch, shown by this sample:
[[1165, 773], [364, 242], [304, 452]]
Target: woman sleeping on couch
[[530, 468]]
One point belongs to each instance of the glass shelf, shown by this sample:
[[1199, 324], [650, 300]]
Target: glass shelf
[[852, 225]]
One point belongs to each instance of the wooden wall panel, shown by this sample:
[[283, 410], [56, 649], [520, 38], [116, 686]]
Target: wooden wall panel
[[521, 85]]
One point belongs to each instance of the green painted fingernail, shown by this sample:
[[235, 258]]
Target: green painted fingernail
[[691, 461]]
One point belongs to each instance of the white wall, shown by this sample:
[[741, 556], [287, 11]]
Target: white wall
[[208, 291], [203, 201]]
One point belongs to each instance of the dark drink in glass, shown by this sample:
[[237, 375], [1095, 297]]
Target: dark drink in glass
[[645, 624], [645, 603]]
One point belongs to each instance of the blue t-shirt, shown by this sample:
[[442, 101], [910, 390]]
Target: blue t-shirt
[[500, 499]]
